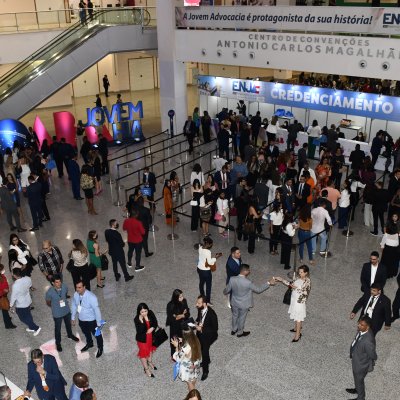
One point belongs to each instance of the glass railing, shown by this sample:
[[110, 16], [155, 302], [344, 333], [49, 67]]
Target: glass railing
[[55, 19], [42, 59]]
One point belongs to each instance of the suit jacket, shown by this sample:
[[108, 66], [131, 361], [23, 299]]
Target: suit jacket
[[144, 216], [241, 290], [209, 333], [363, 355], [274, 153], [55, 381], [141, 327], [381, 314], [191, 130], [151, 181], [304, 194], [380, 199], [365, 278], [232, 268], [356, 158], [301, 157], [34, 194], [115, 242], [7, 202]]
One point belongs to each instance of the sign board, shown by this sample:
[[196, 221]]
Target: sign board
[[373, 20], [323, 99]]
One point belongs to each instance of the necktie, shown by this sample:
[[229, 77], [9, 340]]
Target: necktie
[[356, 339], [301, 189], [223, 181]]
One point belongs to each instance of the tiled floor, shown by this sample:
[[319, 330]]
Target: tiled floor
[[265, 365]]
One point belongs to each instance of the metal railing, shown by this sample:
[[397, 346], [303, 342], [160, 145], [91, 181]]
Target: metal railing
[[60, 19]]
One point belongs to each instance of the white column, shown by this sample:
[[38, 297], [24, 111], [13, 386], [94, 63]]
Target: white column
[[173, 94]]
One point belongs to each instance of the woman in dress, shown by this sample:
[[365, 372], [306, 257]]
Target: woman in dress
[[12, 186], [9, 167], [97, 172], [188, 354], [168, 205], [4, 289], [94, 256], [252, 217], [24, 171], [197, 193], [145, 324], [323, 172], [223, 212], [87, 185], [300, 291], [177, 312], [287, 233], [390, 249], [193, 395], [206, 207], [80, 269]]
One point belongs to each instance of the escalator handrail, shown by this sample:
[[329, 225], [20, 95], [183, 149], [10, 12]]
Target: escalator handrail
[[59, 38]]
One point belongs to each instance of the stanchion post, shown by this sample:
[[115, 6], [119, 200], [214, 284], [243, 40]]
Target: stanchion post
[[118, 179], [180, 153], [127, 165], [290, 273], [347, 232], [145, 156], [172, 235], [118, 202], [154, 227], [110, 180]]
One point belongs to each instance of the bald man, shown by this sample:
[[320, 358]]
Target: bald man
[[50, 260], [80, 383]]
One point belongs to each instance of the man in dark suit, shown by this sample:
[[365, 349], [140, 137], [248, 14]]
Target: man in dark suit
[[377, 306], [356, 158], [116, 250], [236, 129], [207, 332], [380, 201], [189, 130], [223, 141], [149, 179], [66, 152], [34, 194], [301, 191], [233, 264], [103, 150], [144, 216], [287, 195], [255, 126], [272, 150], [373, 272], [45, 377], [376, 146], [363, 356]]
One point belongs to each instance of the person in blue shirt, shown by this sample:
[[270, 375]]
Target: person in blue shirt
[[85, 303], [80, 383], [56, 298]]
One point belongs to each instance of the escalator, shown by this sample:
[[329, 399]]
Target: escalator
[[69, 54]]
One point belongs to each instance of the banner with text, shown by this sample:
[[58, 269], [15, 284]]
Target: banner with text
[[321, 19], [323, 99]]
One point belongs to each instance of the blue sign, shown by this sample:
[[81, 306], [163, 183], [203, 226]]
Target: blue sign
[[338, 101]]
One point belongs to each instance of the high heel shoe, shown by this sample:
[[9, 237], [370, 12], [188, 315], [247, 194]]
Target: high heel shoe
[[296, 340], [151, 365], [148, 373], [103, 278], [294, 330], [100, 286]]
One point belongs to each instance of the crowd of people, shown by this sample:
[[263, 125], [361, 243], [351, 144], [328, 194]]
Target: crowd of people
[[272, 195]]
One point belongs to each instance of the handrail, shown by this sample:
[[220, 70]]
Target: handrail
[[74, 35]]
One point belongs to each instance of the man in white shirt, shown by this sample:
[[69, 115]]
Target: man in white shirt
[[319, 215], [21, 298], [310, 170]]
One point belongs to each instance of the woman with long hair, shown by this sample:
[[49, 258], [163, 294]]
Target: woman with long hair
[[276, 219], [390, 249], [206, 126], [223, 213], [12, 186], [323, 172], [197, 173], [314, 132], [87, 185], [197, 193], [94, 256], [9, 167], [193, 395], [304, 233], [301, 288], [168, 204], [97, 172], [177, 312], [188, 354], [252, 217], [145, 324], [80, 270], [21, 248]]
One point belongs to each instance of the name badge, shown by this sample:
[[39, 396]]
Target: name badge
[[79, 308], [62, 303]]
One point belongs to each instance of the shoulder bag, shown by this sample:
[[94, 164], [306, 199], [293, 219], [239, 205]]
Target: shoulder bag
[[104, 262], [4, 303], [248, 227], [287, 296], [159, 337], [213, 267]]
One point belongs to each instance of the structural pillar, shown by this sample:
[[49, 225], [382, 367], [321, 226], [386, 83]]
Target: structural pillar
[[173, 93]]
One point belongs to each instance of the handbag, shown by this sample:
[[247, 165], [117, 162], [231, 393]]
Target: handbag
[[218, 216], [159, 337], [248, 227], [70, 265], [51, 164], [104, 262], [92, 271], [31, 260], [205, 213], [213, 267], [287, 296], [4, 303], [175, 370], [86, 182]]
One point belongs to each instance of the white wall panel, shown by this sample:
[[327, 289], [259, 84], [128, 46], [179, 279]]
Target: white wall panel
[[299, 114], [266, 110], [212, 106], [393, 128], [203, 104], [334, 118], [320, 116]]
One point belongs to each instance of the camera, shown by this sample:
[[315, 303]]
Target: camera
[[235, 54], [203, 52], [385, 66], [362, 64], [252, 55], [219, 53]]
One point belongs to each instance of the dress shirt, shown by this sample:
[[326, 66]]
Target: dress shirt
[[50, 262], [390, 240], [276, 217], [75, 393], [374, 269], [20, 295], [312, 173], [205, 255], [344, 200], [58, 300], [371, 305], [90, 310], [319, 215], [203, 315]]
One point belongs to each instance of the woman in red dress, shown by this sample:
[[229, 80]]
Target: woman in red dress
[[145, 323], [4, 289]]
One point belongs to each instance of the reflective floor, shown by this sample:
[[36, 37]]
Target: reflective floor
[[265, 365]]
